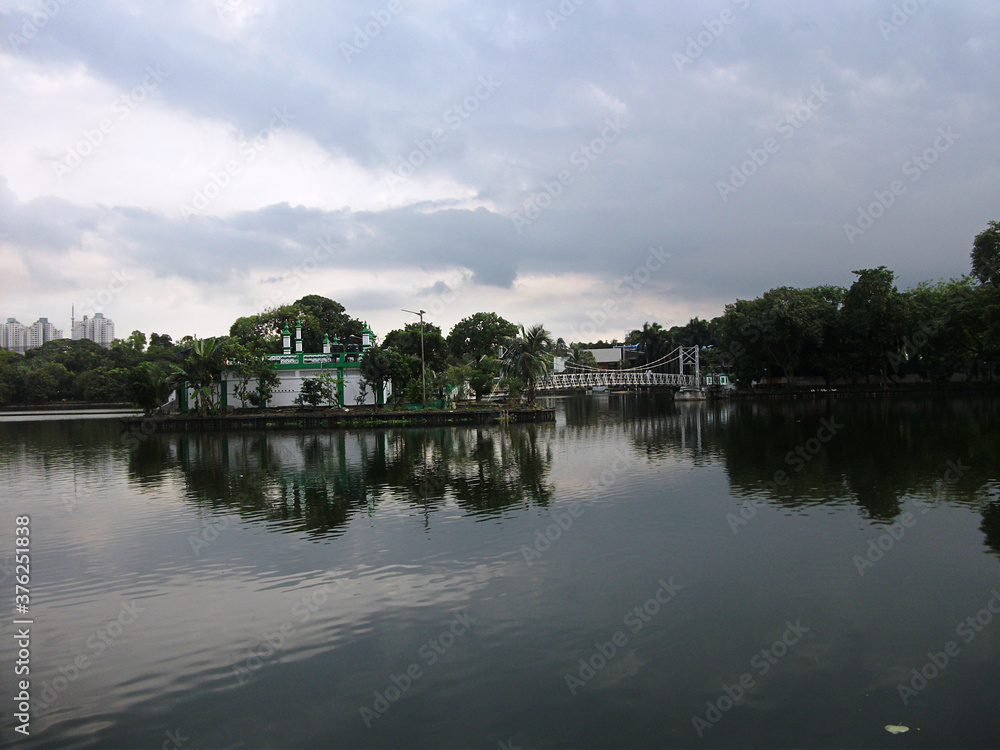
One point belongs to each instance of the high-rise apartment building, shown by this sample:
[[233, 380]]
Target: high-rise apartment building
[[13, 336], [98, 329], [18, 337], [41, 332]]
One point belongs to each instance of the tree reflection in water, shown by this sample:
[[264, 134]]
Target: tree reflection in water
[[887, 451], [316, 482]]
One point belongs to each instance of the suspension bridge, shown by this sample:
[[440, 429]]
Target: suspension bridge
[[586, 377], [613, 378]]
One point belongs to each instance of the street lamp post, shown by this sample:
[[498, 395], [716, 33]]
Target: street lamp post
[[423, 376]]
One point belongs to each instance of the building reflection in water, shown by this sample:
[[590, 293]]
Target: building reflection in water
[[316, 482]]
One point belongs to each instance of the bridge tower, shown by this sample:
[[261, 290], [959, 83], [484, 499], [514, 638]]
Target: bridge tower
[[689, 356]]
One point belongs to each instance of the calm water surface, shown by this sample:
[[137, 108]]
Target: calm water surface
[[638, 574]]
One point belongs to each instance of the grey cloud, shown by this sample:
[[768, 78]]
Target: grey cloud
[[656, 184]]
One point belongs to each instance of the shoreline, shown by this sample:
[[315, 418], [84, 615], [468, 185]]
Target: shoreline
[[333, 418], [69, 406], [874, 391]]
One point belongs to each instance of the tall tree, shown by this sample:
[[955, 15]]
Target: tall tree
[[651, 340], [151, 383], [696, 332], [256, 374], [331, 318], [203, 368], [527, 357], [377, 367], [10, 376], [475, 342], [874, 314], [581, 356], [480, 335], [986, 255], [407, 341]]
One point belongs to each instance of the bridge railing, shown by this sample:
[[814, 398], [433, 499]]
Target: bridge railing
[[613, 378]]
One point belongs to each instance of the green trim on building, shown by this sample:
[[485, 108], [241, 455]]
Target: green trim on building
[[301, 365]]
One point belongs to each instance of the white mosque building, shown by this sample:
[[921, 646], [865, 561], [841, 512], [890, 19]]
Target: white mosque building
[[294, 366]]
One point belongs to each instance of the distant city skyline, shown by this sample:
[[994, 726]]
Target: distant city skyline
[[18, 337]]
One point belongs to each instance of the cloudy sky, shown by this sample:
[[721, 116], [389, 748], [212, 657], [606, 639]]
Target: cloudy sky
[[586, 164]]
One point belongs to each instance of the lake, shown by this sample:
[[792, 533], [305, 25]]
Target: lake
[[638, 573]]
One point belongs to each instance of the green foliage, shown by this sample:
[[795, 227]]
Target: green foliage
[[320, 316], [69, 370], [83, 370], [527, 357], [333, 384], [161, 342], [362, 394], [136, 341], [10, 376], [986, 255], [150, 384], [696, 332], [203, 370], [377, 369], [403, 370], [102, 384], [256, 375], [480, 335], [874, 317], [652, 343], [480, 375], [785, 329], [412, 391], [407, 342], [580, 355], [47, 382], [456, 379], [514, 387], [75, 356], [316, 391], [125, 352]]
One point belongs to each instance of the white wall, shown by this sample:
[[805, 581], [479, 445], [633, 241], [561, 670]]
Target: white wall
[[290, 386]]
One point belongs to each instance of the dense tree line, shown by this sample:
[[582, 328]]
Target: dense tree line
[[870, 332], [66, 370]]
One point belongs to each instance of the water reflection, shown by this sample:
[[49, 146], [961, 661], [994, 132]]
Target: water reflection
[[991, 523], [316, 482], [875, 454], [394, 580]]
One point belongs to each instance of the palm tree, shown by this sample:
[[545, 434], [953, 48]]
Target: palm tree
[[651, 341], [527, 357], [204, 362], [151, 383], [580, 355]]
